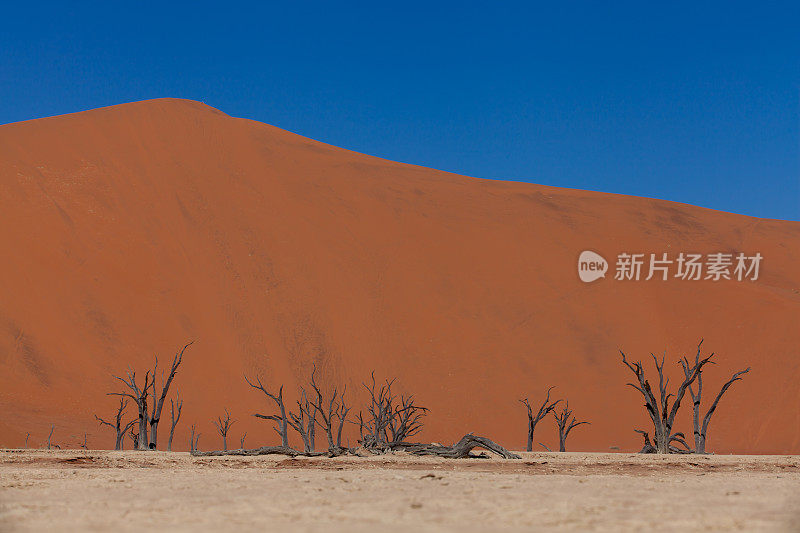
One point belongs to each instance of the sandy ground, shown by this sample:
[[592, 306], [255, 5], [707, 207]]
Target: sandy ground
[[101, 490]]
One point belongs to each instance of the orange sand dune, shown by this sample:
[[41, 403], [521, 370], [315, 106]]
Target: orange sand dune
[[128, 230]]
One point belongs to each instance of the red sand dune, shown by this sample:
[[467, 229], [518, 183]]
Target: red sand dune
[[128, 230]]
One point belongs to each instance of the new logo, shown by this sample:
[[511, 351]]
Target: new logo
[[591, 266]]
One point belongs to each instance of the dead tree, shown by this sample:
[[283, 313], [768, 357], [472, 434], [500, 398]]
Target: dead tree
[[327, 411], [158, 402], [193, 440], [175, 416], [341, 415], [223, 425], [134, 436], [139, 396], [661, 413], [303, 422], [241, 442], [390, 420], [50, 436], [534, 419], [117, 426], [84, 442], [27, 436], [701, 430], [281, 419], [565, 425]]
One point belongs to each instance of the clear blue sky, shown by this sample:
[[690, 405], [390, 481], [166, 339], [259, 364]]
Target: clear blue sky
[[698, 104]]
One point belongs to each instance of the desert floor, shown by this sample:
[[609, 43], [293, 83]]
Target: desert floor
[[101, 490]]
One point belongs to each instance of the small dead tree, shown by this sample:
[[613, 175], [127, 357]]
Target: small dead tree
[[175, 416], [701, 430], [158, 401], [50, 436], [193, 440], [27, 436], [223, 425], [241, 442], [117, 426], [534, 419], [565, 425], [390, 419], [139, 396], [84, 442], [303, 421], [327, 411], [134, 436], [341, 415], [282, 418]]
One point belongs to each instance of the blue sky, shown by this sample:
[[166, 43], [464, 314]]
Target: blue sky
[[681, 101]]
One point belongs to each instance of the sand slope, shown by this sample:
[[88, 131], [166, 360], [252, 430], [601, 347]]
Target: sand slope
[[126, 231]]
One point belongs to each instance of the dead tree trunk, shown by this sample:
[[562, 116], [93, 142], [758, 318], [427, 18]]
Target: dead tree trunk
[[544, 409], [281, 419], [174, 417], [565, 425], [27, 436], [701, 430], [223, 425], [139, 396], [158, 402], [241, 442], [264, 450], [50, 436], [117, 426], [460, 449], [660, 412]]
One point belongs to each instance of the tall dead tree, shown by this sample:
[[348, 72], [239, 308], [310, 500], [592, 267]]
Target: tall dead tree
[[565, 425], [158, 401], [223, 425], [174, 417], [117, 426], [282, 418], [534, 419], [139, 396], [701, 430], [661, 413]]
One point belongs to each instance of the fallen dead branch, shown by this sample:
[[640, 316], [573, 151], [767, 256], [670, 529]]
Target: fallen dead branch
[[459, 450]]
